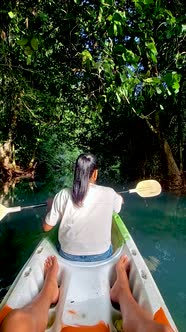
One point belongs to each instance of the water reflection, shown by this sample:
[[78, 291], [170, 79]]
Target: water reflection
[[16, 190], [152, 263]]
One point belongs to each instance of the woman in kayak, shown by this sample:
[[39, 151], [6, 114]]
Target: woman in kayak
[[84, 214], [34, 316]]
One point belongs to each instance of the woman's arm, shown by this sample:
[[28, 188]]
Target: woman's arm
[[47, 227]]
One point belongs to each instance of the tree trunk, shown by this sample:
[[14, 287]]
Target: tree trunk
[[9, 168], [174, 176], [174, 179]]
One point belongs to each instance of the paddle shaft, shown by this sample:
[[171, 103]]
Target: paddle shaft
[[127, 191], [33, 206]]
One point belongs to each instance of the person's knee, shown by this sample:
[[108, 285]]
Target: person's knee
[[16, 320]]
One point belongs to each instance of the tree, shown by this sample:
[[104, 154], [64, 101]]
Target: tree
[[72, 69], [137, 50]]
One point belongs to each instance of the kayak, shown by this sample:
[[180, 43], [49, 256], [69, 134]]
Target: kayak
[[84, 300]]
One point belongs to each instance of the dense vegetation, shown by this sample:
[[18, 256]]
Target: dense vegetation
[[103, 76]]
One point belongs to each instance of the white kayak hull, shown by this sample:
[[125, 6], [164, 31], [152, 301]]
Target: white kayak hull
[[85, 287]]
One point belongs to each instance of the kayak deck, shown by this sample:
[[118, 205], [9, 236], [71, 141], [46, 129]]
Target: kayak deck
[[84, 298]]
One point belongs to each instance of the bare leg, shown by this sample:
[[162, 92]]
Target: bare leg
[[135, 319], [34, 316]]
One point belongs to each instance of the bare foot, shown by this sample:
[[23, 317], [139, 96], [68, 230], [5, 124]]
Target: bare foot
[[50, 275], [121, 292], [121, 284]]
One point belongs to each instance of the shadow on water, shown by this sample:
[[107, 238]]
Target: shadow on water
[[157, 225]]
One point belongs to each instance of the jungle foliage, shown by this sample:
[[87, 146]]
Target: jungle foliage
[[103, 76]]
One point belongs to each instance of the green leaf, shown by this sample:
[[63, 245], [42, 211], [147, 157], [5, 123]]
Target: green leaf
[[158, 90], [22, 42], [43, 16], [115, 29], [86, 56], [148, 80], [28, 50], [87, 121], [109, 18], [118, 97], [122, 77], [153, 58], [152, 47], [169, 34], [176, 86], [153, 51], [34, 43], [29, 60], [11, 14], [49, 52], [170, 18], [118, 16], [172, 80], [131, 57], [104, 97], [123, 57]]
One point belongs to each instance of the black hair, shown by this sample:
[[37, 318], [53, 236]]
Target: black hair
[[85, 165]]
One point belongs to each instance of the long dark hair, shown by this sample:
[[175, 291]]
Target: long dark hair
[[85, 165]]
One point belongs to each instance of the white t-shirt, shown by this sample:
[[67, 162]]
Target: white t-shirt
[[85, 230]]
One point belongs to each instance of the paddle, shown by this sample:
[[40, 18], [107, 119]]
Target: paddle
[[146, 188], [4, 210]]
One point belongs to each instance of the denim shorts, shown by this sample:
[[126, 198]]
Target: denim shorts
[[87, 258]]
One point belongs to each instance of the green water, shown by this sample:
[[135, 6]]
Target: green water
[[157, 225]]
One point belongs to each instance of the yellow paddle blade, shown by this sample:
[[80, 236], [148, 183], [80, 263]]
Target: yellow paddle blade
[[147, 188], [3, 211]]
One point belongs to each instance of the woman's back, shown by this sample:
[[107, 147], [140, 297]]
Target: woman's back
[[84, 213], [86, 230]]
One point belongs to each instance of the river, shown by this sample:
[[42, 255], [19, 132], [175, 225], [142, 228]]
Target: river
[[157, 225]]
